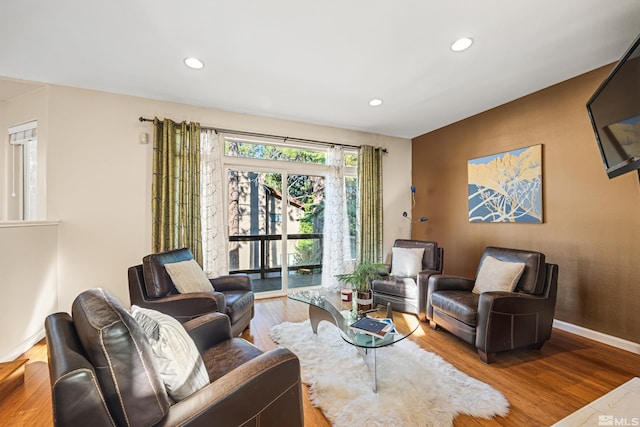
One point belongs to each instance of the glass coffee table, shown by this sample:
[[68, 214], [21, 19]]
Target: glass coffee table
[[328, 305]]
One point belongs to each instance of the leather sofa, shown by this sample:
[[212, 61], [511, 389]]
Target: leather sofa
[[150, 286], [497, 321], [102, 373], [407, 297]]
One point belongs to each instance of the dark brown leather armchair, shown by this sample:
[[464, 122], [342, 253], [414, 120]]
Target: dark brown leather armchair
[[102, 373], [497, 321], [150, 286], [405, 297]]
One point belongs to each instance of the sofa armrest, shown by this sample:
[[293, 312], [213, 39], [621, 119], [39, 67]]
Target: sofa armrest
[[232, 282], [424, 276], [209, 330], [75, 391], [441, 282], [511, 303], [508, 320], [423, 292], [267, 387], [185, 307]]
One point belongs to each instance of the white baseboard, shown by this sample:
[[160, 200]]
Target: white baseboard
[[598, 336], [23, 347]]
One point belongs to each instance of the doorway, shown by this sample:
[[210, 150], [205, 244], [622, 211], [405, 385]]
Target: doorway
[[275, 221]]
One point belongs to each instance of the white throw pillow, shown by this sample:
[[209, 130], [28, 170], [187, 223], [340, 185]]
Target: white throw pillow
[[176, 356], [188, 277], [496, 275], [406, 262]]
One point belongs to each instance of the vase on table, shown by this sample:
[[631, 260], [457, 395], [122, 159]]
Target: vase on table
[[364, 300]]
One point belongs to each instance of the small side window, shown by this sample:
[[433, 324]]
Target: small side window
[[22, 172]]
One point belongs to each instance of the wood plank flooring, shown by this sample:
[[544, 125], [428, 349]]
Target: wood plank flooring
[[542, 386], [11, 376]]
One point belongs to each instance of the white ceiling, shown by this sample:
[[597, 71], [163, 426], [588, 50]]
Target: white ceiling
[[316, 61]]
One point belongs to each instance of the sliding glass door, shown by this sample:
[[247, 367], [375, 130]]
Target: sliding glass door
[[276, 211], [275, 228]]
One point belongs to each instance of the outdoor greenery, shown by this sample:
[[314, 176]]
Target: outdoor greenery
[[273, 152], [309, 251]]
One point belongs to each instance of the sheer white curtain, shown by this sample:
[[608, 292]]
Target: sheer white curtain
[[214, 230], [336, 250]]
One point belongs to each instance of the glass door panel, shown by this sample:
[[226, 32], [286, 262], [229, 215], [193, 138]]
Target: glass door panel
[[255, 227], [276, 223], [305, 221]]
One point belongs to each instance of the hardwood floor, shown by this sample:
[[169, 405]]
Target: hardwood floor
[[542, 386], [30, 404]]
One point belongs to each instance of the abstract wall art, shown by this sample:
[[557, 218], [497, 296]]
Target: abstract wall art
[[506, 187]]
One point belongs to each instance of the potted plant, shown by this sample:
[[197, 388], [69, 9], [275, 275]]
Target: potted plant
[[360, 280]]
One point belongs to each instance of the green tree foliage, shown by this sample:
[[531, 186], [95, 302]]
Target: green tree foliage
[[273, 152]]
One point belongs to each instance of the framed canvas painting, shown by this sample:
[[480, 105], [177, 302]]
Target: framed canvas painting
[[506, 187]]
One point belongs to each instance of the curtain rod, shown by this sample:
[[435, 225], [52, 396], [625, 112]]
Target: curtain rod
[[266, 135]]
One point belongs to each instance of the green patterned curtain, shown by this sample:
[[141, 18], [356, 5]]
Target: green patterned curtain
[[175, 199], [370, 183]]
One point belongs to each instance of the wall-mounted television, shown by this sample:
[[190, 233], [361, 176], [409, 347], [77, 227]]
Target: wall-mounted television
[[614, 110]]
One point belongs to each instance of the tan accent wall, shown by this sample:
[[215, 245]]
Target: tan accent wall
[[591, 225]]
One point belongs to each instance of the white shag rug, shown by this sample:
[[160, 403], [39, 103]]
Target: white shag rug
[[415, 387]]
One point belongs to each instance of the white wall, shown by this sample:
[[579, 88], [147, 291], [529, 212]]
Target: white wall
[[28, 279], [99, 179], [28, 250], [99, 184]]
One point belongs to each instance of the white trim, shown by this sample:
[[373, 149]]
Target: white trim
[[28, 223], [23, 347], [25, 132], [598, 336], [24, 126]]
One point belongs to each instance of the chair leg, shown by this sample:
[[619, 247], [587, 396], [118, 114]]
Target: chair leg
[[486, 357], [536, 346], [433, 325]]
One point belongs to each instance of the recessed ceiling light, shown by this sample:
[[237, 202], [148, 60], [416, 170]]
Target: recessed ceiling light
[[461, 44], [194, 63], [375, 102]]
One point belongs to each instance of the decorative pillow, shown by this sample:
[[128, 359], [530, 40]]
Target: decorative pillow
[[496, 275], [176, 357], [406, 262], [188, 277]]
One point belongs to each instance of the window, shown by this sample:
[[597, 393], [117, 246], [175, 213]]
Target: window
[[276, 200], [351, 159], [259, 150], [22, 172]]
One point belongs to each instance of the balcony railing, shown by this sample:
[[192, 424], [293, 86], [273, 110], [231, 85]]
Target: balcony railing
[[267, 263]]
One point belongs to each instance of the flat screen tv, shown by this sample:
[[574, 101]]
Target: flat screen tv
[[614, 110]]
